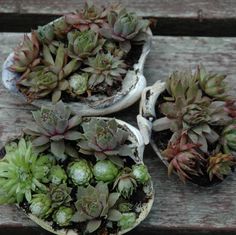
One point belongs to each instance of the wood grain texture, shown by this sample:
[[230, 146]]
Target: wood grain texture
[[224, 9], [178, 209]]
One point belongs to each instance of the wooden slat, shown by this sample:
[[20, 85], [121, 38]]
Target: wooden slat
[[173, 17], [9, 6], [178, 208], [157, 8]]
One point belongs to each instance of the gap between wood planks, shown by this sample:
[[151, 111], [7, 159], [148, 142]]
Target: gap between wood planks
[[165, 26]]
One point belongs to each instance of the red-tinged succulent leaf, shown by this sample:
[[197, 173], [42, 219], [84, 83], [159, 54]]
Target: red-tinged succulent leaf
[[74, 121]]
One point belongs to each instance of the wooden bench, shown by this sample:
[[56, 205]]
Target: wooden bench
[[186, 34]]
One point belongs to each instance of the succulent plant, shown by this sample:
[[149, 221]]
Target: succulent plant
[[38, 83], [187, 109], [125, 207], [228, 138], [40, 205], [22, 172], [26, 55], [183, 84], [83, 44], [104, 138], [104, 70], [123, 27], [63, 216], [105, 171], [57, 175], [45, 34], [220, 165], [230, 107], [90, 17], [80, 172], [183, 158], [212, 84], [60, 195], [125, 183], [61, 27], [47, 79], [94, 203], [78, 84], [140, 173], [113, 49], [52, 128], [127, 220]]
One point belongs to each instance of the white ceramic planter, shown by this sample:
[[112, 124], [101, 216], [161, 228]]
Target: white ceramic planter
[[147, 114], [132, 87]]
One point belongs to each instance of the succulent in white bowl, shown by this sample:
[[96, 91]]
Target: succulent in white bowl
[[76, 175], [190, 122], [92, 59]]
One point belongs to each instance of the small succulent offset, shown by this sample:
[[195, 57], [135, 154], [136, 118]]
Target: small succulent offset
[[195, 108], [57, 175], [40, 205], [184, 158], [90, 17], [22, 172], [125, 183], [81, 45], [93, 190], [53, 127], [125, 26], [229, 138], [80, 172], [78, 84], [59, 195], [79, 55], [105, 171], [93, 203], [220, 165], [26, 55], [104, 70], [63, 216]]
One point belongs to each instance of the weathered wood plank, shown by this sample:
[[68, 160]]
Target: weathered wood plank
[[178, 209], [174, 17], [9, 6], [156, 8]]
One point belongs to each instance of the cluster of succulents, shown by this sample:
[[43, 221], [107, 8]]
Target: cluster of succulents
[[198, 115], [92, 186], [79, 54]]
